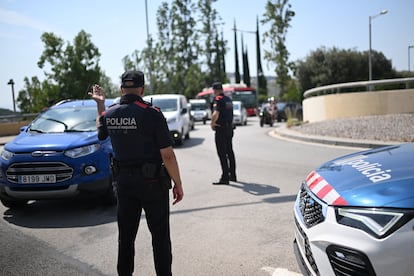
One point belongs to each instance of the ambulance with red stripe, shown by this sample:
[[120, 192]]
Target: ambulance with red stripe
[[355, 215]]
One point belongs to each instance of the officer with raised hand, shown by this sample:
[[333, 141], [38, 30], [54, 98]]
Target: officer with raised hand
[[222, 124], [143, 165]]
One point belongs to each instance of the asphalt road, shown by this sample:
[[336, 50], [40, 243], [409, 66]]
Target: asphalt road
[[245, 228]]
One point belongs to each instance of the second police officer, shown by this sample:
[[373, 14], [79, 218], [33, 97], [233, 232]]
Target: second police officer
[[144, 165], [222, 124]]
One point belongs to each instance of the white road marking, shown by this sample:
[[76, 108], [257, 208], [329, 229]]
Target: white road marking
[[280, 271]]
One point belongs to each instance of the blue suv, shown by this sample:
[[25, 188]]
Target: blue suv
[[58, 155]]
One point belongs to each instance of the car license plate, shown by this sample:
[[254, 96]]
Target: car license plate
[[37, 178]]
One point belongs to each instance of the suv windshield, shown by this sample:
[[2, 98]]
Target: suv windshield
[[198, 106], [165, 104], [71, 119]]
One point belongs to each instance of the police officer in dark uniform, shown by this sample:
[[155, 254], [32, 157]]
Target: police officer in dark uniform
[[222, 124], [144, 164]]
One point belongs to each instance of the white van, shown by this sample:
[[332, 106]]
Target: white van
[[200, 111], [174, 108]]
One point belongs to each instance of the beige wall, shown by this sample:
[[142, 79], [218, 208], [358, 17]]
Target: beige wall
[[343, 105], [7, 129]]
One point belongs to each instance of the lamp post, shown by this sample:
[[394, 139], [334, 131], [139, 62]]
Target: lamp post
[[149, 49], [409, 47], [369, 54], [11, 82]]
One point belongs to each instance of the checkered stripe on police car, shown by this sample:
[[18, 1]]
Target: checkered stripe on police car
[[324, 190]]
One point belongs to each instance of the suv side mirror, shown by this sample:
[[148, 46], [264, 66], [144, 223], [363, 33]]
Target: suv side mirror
[[184, 110]]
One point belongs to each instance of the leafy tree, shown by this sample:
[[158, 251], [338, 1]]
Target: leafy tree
[[293, 93], [133, 61], [208, 29], [74, 68], [187, 56], [183, 42], [37, 95], [174, 57], [278, 15], [381, 66], [210, 47], [163, 54], [26, 97], [329, 66]]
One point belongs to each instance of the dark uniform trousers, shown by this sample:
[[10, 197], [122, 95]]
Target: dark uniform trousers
[[134, 194], [224, 145]]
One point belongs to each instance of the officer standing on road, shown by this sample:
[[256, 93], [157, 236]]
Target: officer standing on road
[[222, 124], [143, 150]]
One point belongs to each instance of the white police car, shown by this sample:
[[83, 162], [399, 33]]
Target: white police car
[[355, 215]]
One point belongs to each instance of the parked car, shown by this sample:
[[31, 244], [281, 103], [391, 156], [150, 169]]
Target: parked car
[[239, 113], [355, 215], [57, 155], [200, 111], [174, 107], [286, 109]]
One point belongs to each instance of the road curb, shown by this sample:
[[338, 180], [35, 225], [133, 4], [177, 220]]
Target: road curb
[[285, 132], [5, 139]]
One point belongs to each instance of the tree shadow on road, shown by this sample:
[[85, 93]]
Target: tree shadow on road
[[255, 189], [263, 189]]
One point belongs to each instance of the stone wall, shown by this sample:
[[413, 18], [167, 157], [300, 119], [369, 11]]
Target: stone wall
[[342, 105]]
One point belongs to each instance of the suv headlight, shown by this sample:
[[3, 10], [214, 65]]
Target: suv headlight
[[6, 155], [378, 222], [82, 151]]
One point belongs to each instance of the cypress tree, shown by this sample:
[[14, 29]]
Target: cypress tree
[[223, 57], [236, 55], [246, 71], [261, 79]]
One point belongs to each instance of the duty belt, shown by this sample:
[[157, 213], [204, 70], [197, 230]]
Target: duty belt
[[129, 165], [226, 124], [147, 169]]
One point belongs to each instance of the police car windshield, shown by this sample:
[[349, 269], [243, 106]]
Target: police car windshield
[[166, 104], [71, 119]]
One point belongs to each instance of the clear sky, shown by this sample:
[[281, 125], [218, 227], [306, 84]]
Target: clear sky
[[117, 28]]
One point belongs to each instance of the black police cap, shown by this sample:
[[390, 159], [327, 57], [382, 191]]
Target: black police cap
[[136, 77], [217, 86]]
